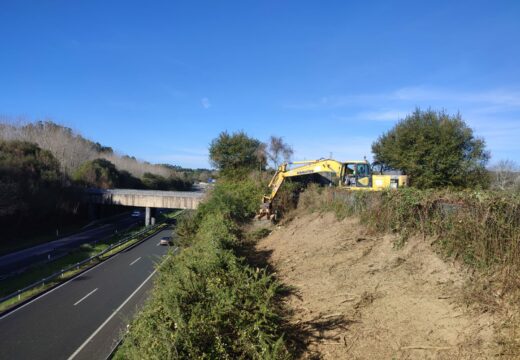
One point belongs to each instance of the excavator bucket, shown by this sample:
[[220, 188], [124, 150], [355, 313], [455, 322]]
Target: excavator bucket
[[265, 209]]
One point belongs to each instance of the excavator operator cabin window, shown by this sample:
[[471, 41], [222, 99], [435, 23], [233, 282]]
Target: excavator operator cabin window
[[362, 170]]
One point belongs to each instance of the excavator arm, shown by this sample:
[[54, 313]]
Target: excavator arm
[[303, 168]]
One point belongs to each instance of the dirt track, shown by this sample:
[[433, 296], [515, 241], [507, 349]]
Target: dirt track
[[357, 297]]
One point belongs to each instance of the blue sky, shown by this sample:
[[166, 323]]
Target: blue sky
[[160, 79]]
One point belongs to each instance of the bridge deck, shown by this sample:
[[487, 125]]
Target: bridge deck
[[146, 198]]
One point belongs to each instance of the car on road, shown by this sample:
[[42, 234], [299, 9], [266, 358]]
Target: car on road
[[136, 213], [166, 240]]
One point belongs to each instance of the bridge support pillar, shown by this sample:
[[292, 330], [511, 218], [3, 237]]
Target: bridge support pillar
[[153, 213], [148, 212]]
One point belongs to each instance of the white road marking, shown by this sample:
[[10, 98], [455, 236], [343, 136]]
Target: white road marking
[[86, 296], [110, 317], [136, 260], [66, 282], [158, 244]]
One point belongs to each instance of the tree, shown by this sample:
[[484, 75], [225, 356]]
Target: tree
[[505, 175], [99, 173], [261, 156], [128, 181], [30, 179], [278, 149], [236, 154], [435, 150]]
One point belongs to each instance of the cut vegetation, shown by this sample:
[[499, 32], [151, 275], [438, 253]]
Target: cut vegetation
[[358, 297], [409, 274]]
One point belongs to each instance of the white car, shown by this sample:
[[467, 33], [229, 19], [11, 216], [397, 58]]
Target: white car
[[167, 240], [136, 213]]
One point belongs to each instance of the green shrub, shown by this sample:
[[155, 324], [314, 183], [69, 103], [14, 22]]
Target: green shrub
[[208, 303], [239, 201], [99, 173], [158, 182], [287, 196], [236, 155], [436, 149], [31, 186]]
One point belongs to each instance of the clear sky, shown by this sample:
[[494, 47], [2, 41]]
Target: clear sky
[[160, 79]]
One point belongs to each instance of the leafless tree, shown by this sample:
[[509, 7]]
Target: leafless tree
[[261, 155], [277, 150], [136, 167], [70, 147], [505, 175]]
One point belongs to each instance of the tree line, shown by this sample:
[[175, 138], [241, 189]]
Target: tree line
[[43, 164]]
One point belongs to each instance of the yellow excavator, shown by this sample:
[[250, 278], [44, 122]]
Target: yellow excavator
[[357, 175]]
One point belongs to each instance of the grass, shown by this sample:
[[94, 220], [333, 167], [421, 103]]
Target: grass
[[12, 284]]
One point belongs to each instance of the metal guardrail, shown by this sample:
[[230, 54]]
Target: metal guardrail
[[60, 273]]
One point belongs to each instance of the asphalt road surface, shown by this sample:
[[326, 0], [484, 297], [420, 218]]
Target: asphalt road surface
[[85, 317], [17, 261]]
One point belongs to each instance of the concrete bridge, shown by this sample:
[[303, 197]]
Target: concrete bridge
[[149, 199]]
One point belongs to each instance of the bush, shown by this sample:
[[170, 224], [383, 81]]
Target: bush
[[236, 155], [98, 173], [30, 179], [208, 303], [158, 182], [436, 150], [238, 200]]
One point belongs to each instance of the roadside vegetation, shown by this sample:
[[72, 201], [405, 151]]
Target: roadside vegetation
[[208, 302]]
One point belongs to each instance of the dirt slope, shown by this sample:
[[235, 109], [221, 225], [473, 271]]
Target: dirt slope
[[357, 297]]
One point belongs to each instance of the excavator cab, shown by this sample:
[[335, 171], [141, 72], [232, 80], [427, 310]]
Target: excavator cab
[[357, 175]]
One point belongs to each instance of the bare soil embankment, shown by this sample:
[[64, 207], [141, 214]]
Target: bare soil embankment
[[358, 297]]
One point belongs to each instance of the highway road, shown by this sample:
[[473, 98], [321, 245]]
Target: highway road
[[85, 317], [19, 260]]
